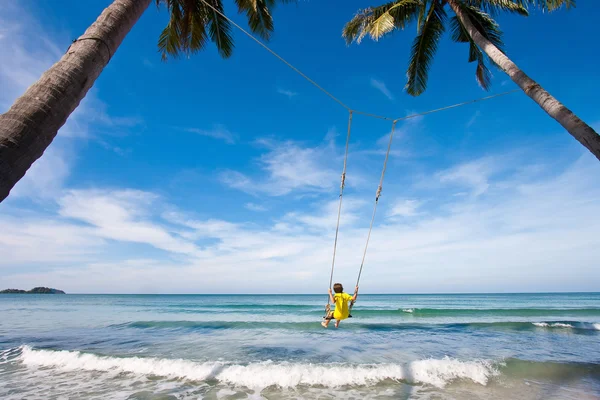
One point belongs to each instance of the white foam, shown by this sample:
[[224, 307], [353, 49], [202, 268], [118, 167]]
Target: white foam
[[553, 325], [561, 325], [436, 372], [76, 361], [596, 327], [408, 310]]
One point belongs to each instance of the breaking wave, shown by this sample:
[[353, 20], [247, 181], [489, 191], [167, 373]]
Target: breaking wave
[[436, 372]]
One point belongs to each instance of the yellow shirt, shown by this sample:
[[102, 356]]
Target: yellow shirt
[[341, 305]]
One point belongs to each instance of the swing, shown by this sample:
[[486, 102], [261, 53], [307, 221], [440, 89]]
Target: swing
[[377, 195]]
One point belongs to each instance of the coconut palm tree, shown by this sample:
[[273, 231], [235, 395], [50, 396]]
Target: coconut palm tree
[[32, 122], [473, 24]]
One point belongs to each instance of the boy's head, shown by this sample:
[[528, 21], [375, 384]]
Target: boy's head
[[338, 288]]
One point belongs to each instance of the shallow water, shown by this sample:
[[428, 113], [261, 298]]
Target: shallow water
[[542, 346]]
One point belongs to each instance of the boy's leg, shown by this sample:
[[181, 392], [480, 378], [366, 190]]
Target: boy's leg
[[327, 320], [337, 323]]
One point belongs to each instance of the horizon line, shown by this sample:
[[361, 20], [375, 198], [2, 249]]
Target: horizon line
[[319, 294]]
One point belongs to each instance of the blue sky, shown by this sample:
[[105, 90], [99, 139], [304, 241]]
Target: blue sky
[[205, 175]]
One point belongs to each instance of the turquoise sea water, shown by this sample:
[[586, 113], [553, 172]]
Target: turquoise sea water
[[485, 346]]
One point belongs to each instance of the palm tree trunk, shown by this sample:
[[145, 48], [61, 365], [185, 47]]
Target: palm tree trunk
[[575, 126], [30, 125]]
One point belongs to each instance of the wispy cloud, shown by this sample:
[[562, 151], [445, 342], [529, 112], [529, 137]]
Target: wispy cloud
[[405, 208], [525, 226], [218, 131], [288, 167], [473, 119], [473, 175], [123, 216], [382, 87], [255, 207], [288, 93]]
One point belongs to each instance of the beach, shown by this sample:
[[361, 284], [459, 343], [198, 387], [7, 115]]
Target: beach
[[480, 346]]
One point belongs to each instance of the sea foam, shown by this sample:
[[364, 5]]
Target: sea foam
[[436, 372], [569, 325]]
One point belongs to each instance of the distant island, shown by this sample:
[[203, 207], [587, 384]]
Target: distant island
[[36, 290]]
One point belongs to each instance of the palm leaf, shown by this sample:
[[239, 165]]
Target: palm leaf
[[424, 48], [219, 29], [378, 21], [259, 16], [169, 41], [483, 22], [492, 7], [489, 29], [192, 23], [483, 75], [198, 36], [421, 17]]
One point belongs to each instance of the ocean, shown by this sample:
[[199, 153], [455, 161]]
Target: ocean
[[479, 346]]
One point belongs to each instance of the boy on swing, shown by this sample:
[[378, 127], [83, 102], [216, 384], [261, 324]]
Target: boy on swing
[[340, 299]]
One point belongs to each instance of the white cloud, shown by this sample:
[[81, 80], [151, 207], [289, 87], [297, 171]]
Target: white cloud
[[218, 131], [42, 239], [382, 87], [530, 232], [289, 167], [472, 175], [23, 55], [286, 92], [404, 208], [122, 216], [255, 207], [324, 216]]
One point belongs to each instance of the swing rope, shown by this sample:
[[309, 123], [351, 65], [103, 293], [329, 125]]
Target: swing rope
[[377, 196], [337, 228]]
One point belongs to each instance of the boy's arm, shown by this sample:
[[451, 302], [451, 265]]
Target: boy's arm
[[355, 294], [331, 296]]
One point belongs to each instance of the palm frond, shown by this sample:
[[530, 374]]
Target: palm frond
[[482, 21], [421, 17], [493, 7], [169, 41], [192, 23], [424, 48], [488, 28], [219, 29], [483, 75], [198, 36], [259, 16], [378, 21]]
